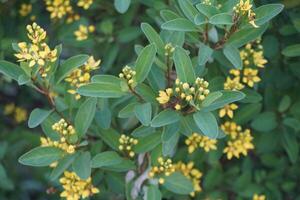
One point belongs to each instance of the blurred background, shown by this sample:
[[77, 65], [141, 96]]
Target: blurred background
[[109, 33]]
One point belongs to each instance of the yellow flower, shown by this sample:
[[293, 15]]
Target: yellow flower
[[128, 74], [58, 8], [72, 17], [81, 76], [83, 32], [198, 141], [164, 168], [231, 129], [126, 144], [259, 197], [240, 145], [76, 188], [228, 110], [245, 9], [164, 96], [259, 59], [85, 4], [191, 173], [250, 76], [169, 49], [9, 109], [25, 9], [20, 115], [233, 84]]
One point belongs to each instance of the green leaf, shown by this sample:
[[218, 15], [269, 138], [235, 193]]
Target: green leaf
[[85, 116], [124, 166], [188, 125], [284, 104], [251, 96], [37, 116], [204, 54], [226, 98], [147, 143], [144, 62], [142, 131], [165, 117], [221, 19], [169, 146], [265, 13], [69, 65], [168, 15], [143, 112], [207, 123], [103, 90], [106, 159], [104, 78], [41, 156], [128, 110], [110, 137], [207, 10], [178, 184], [153, 37], [11, 70], [292, 123], [264, 122], [291, 146], [200, 19], [153, 193], [122, 5], [246, 113], [292, 50], [82, 165], [233, 55], [246, 35], [211, 98], [183, 64], [179, 24], [188, 9], [62, 165]]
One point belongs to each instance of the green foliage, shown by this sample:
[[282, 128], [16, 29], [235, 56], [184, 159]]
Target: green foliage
[[118, 126]]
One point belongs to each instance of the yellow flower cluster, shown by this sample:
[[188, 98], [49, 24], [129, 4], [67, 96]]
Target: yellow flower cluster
[[259, 197], [240, 142], [184, 94], [129, 75], [164, 168], [228, 110], [191, 173], [76, 188], [248, 77], [169, 49], [83, 32], [58, 8], [38, 52], [126, 144], [85, 4], [206, 2], [65, 131], [198, 141], [82, 75], [25, 9], [253, 55], [72, 17], [19, 114], [244, 8]]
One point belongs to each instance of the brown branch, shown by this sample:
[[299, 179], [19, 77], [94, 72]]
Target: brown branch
[[140, 98]]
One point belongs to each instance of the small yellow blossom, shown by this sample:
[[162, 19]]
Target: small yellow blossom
[[259, 197], [128, 74], [164, 168], [233, 84], [58, 8], [241, 145], [252, 55], [83, 32], [81, 76], [191, 173], [72, 17], [9, 109], [250, 76], [207, 2], [37, 52], [126, 144], [169, 49], [85, 4], [164, 97], [76, 188], [65, 131], [25, 9], [19, 114], [244, 8], [228, 110], [198, 141], [231, 129]]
